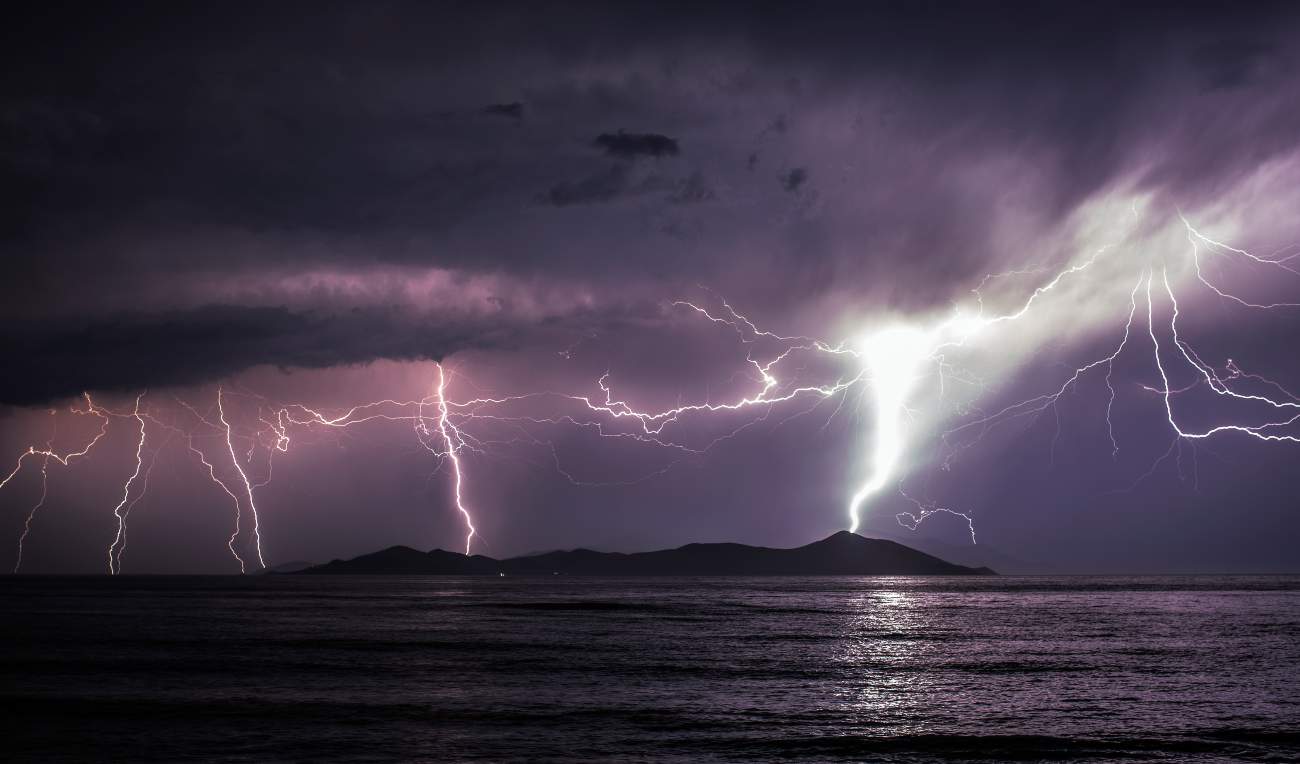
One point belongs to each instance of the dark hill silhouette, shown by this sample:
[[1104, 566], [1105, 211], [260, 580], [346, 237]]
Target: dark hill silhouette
[[844, 554]]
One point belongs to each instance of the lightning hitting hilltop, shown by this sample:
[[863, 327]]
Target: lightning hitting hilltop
[[446, 429], [901, 370]]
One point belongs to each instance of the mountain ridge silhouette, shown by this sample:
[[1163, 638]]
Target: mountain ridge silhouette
[[842, 553]]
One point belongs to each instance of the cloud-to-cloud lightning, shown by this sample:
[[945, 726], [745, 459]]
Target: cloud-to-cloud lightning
[[901, 366]]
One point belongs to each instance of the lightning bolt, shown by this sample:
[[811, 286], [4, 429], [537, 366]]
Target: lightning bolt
[[248, 486], [212, 475], [119, 542], [453, 446], [893, 358], [64, 459], [1213, 381], [27, 525], [890, 366]]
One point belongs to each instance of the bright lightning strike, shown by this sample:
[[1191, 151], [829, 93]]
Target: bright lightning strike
[[894, 358], [904, 370], [453, 446], [243, 475]]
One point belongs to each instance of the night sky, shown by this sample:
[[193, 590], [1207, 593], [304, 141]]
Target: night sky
[[318, 204]]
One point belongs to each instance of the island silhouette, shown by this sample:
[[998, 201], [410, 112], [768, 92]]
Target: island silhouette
[[841, 554]]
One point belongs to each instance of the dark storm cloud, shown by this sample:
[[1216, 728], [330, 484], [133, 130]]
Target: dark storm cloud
[[327, 122], [632, 145], [618, 181], [513, 110], [793, 180], [602, 186], [175, 143], [1228, 64], [693, 190], [132, 352], [190, 191]]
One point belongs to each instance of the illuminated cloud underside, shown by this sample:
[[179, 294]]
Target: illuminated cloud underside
[[887, 363]]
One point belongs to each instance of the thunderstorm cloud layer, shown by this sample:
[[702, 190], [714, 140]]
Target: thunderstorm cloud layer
[[653, 275]]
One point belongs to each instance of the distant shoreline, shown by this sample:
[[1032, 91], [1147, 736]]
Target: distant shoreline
[[841, 554]]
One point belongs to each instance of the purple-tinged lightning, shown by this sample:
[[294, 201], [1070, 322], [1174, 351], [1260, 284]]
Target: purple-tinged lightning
[[46, 455], [119, 542], [27, 524], [453, 456], [1289, 409], [212, 474], [248, 486], [896, 366], [64, 459]]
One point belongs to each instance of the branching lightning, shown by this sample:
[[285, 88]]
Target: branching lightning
[[453, 445], [902, 369], [119, 542], [27, 524], [243, 475]]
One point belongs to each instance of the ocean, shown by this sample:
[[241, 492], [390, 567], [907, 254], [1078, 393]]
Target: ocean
[[319, 668]]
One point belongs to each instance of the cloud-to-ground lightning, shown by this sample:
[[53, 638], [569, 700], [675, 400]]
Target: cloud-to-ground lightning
[[27, 524], [900, 366], [453, 455], [119, 541], [893, 357], [46, 454], [243, 476]]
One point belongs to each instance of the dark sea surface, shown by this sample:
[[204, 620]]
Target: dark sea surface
[[307, 668]]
